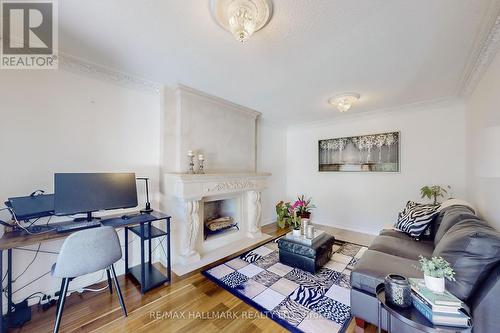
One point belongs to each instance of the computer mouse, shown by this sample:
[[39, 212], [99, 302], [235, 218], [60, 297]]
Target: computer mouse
[[125, 217]]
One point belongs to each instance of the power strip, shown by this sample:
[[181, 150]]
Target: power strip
[[46, 299], [49, 300]]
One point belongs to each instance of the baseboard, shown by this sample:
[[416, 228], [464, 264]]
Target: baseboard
[[349, 228], [268, 221]]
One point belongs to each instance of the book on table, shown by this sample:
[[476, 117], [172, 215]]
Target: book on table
[[441, 309], [435, 299], [460, 318]]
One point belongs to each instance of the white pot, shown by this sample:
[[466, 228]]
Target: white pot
[[296, 233], [434, 284]]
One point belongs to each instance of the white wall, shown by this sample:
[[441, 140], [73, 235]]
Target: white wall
[[483, 145], [271, 157], [432, 152], [57, 121]]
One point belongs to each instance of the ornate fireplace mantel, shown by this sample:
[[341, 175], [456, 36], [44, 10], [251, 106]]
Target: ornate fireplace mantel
[[194, 187], [191, 190]]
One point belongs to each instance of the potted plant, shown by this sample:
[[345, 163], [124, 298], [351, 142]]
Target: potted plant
[[435, 271], [303, 207], [433, 192], [282, 210], [295, 221]]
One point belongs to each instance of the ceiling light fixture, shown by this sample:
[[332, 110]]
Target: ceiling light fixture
[[242, 17], [345, 101]]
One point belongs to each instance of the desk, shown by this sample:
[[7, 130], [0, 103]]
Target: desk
[[143, 228]]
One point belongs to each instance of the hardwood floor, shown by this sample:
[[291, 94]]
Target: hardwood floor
[[199, 304]]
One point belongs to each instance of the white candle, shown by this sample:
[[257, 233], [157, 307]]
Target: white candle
[[190, 153], [201, 158]]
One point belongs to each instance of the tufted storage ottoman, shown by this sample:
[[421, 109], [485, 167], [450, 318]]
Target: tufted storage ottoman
[[306, 257]]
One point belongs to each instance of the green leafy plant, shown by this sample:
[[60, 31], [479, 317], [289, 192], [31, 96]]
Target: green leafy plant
[[295, 220], [282, 210], [288, 214], [437, 267], [434, 192]]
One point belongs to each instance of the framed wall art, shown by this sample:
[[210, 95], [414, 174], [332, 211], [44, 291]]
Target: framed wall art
[[366, 153]]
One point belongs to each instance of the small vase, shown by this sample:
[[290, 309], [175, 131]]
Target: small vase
[[434, 284], [296, 232]]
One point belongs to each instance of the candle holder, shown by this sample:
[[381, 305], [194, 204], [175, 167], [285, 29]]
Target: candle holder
[[397, 290], [200, 166], [304, 225], [310, 232], [191, 164]]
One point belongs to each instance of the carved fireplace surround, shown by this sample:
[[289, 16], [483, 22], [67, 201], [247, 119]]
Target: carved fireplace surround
[[226, 134], [188, 192]]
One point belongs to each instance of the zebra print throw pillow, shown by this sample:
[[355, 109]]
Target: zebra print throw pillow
[[415, 218]]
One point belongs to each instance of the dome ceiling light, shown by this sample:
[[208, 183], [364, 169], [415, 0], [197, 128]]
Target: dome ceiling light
[[242, 17], [345, 101]]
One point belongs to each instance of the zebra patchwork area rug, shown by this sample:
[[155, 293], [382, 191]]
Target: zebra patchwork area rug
[[296, 299]]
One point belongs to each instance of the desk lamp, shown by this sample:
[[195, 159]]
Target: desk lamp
[[147, 209]]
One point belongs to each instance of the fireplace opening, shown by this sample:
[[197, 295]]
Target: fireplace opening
[[220, 216]]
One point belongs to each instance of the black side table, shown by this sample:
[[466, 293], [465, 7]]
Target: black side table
[[411, 317], [145, 273]]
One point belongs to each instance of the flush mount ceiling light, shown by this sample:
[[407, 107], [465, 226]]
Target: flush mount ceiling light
[[242, 17], [345, 101]]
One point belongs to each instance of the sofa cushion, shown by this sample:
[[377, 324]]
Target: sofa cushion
[[401, 235], [456, 202], [450, 216], [416, 218], [374, 266], [405, 248], [473, 249]]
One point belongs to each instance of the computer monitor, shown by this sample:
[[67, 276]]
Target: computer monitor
[[89, 192]]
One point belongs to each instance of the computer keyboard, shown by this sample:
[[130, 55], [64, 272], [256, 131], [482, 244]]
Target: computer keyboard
[[39, 229], [73, 226], [131, 219]]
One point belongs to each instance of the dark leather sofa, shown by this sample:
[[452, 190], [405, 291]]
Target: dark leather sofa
[[459, 236]]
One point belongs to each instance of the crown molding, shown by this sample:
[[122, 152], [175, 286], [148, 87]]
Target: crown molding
[[79, 66], [488, 48], [353, 116]]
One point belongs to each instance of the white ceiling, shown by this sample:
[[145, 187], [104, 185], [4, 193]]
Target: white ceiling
[[393, 52]]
